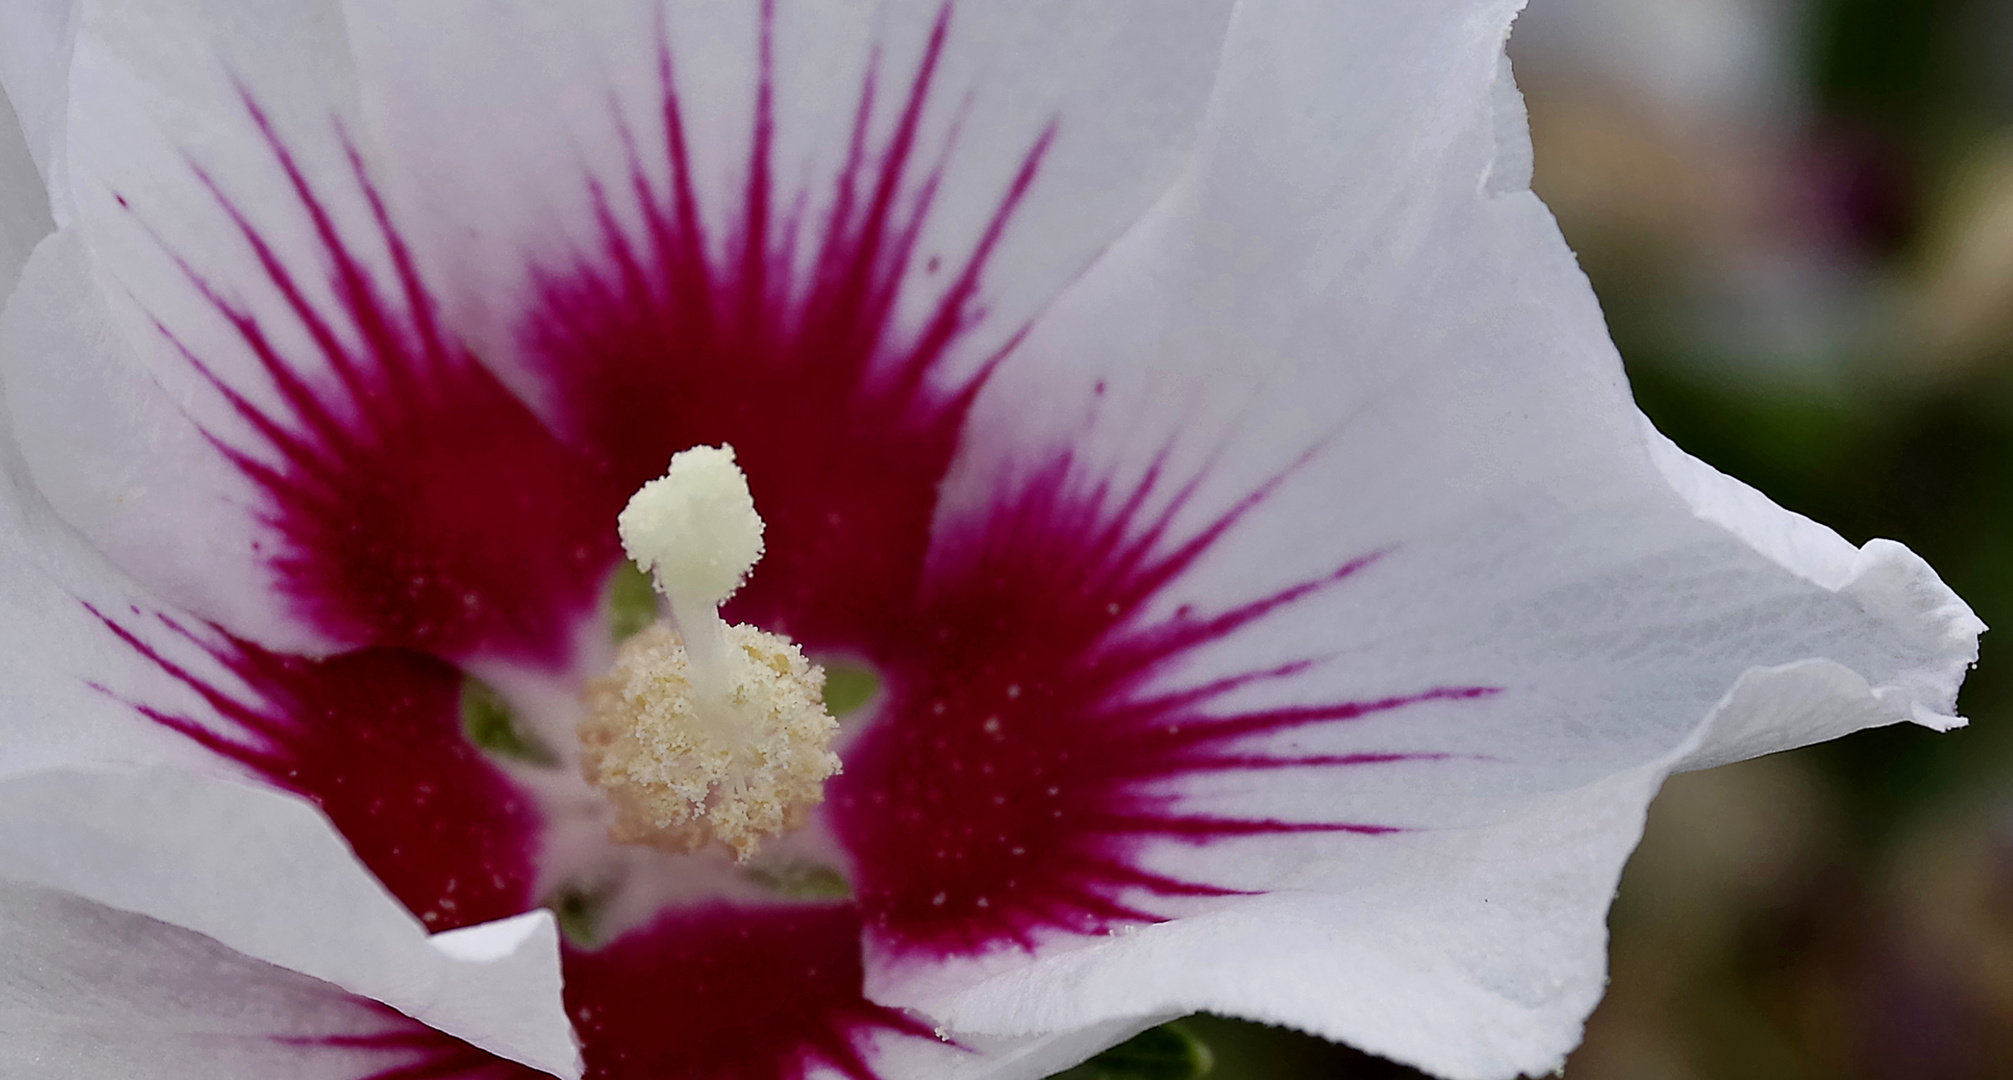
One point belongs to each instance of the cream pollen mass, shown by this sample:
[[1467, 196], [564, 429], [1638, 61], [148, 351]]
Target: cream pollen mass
[[702, 731]]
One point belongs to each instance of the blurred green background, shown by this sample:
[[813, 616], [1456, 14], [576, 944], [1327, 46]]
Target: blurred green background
[[1799, 217]]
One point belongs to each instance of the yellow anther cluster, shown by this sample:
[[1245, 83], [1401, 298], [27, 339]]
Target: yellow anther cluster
[[681, 774]]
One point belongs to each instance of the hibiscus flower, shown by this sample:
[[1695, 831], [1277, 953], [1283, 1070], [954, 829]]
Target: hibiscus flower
[[1178, 426]]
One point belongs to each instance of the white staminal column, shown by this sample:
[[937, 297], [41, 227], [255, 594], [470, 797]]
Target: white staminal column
[[696, 532]]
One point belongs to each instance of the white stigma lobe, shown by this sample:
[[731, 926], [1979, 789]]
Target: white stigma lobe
[[695, 530]]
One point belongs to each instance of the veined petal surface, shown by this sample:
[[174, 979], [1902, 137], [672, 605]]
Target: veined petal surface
[[154, 135], [327, 468], [1345, 402], [520, 135]]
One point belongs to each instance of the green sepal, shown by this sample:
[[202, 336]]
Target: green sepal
[[579, 911], [632, 602], [848, 687], [491, 724], [800, 880]]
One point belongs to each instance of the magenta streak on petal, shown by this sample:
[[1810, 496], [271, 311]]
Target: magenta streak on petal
[[729, 993], [415, 502], [840, 416], [374, 739], [1022, 764], [420, 1052]]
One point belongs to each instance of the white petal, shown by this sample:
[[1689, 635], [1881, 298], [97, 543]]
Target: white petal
[[24, 205], [1817, 700], [114, 453], [35, 42], [993, 1057], [1353, 295], [61, 666], [496, 115], [92, 991], [267, 876]]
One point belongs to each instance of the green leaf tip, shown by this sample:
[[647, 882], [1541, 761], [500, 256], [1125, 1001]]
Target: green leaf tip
[[1169, 1052]]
